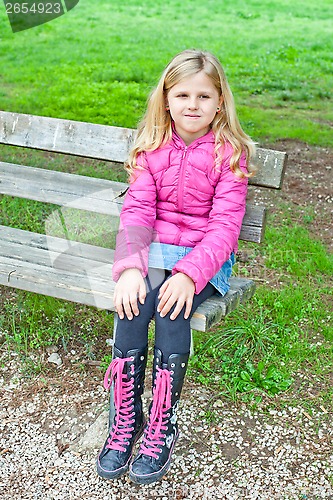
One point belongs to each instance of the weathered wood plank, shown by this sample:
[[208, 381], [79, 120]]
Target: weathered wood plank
[[58, 245], [271, 168], [99, 293], [254, 224], [66, 136], [54, 283], [107, 143], [62, 261], [214, 309], [60, 188], [92, 194]]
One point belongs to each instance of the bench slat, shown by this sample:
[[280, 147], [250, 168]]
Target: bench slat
[[105, 142], [214, 309], [92, 194], [54, 283], [83, 273], [61, 261], [58, 245], [90, 140], [271, 168], [60, 188]]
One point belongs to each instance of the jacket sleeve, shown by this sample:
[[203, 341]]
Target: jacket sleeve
[[137, 220], [224, 225]]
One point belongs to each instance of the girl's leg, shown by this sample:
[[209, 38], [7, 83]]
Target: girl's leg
[[172, 347], [125, 379], [133, 334], [174, 336]]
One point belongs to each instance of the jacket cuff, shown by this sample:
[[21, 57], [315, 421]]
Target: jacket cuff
[[132, 262], [132, 249]]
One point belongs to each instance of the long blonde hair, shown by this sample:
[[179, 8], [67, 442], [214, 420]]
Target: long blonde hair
[[155, 129]]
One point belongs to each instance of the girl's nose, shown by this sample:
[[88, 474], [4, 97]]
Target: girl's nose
[[193, 103]]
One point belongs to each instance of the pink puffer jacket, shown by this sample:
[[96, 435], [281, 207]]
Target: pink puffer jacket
[[181, 198]]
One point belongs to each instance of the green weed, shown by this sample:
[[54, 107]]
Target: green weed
[[283, 328], [105, 362], [269, 379]]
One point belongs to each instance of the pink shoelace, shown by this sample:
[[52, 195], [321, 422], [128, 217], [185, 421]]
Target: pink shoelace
[[124, 421], [154, 437]]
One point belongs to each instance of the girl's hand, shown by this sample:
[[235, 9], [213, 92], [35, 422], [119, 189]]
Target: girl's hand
[[177, 289], [129, 288]]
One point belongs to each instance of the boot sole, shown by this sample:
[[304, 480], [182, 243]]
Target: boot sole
[[154, 476]]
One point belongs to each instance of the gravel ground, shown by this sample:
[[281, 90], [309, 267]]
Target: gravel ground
[[48, 445]]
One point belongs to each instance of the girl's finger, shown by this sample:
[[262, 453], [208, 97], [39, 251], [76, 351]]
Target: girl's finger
[[134, 304], [119, 309], [176, 311], [188, 308], [163, 301], [163, 289], [127, 308], [142, 293], [168, 305]]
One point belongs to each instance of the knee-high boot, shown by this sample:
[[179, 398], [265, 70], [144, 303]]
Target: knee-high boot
[[125, 379], [161, 431]]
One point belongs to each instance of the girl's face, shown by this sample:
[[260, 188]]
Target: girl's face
[[193, 104]]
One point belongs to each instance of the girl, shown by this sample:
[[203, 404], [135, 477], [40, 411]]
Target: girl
[[183, 214]]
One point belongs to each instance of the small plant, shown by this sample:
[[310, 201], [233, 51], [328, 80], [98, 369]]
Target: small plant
[[270, 379], [210, 416], [255, 336], [106, 360]]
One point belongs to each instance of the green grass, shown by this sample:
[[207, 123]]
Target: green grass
[[98, 63], [33, 322], [285, 329], [277, 55]]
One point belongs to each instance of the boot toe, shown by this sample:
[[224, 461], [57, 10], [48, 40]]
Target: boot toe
[[145, 470], [142, 466], [112, 465]]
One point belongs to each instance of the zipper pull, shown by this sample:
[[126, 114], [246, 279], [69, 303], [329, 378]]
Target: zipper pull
[[184, 153]]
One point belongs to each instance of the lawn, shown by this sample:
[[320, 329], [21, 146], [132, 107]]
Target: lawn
[[98, 63]]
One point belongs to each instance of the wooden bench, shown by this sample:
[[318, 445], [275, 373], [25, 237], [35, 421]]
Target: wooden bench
[[64, 268]]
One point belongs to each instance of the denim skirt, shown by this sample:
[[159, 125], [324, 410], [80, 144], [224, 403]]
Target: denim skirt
[[165, 256]]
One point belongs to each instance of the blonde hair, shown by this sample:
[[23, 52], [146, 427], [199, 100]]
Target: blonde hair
[[155, 129]]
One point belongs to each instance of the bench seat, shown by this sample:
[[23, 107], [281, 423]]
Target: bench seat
[[82, 273]]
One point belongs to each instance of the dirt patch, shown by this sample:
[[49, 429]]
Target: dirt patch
[[308, 186]]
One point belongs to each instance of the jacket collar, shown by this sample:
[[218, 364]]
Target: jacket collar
[[179, 143]]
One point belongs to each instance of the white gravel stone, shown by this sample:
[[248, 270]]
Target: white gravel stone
[[55, 359]]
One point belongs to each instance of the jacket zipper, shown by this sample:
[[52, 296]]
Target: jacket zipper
[[181, 184], [181, 181]]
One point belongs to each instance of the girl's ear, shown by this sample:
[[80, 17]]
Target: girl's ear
[[218, 109]]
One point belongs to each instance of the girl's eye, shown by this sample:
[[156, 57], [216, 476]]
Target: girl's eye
[[202, 96]]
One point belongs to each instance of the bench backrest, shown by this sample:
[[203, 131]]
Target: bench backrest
[[101, 142]]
